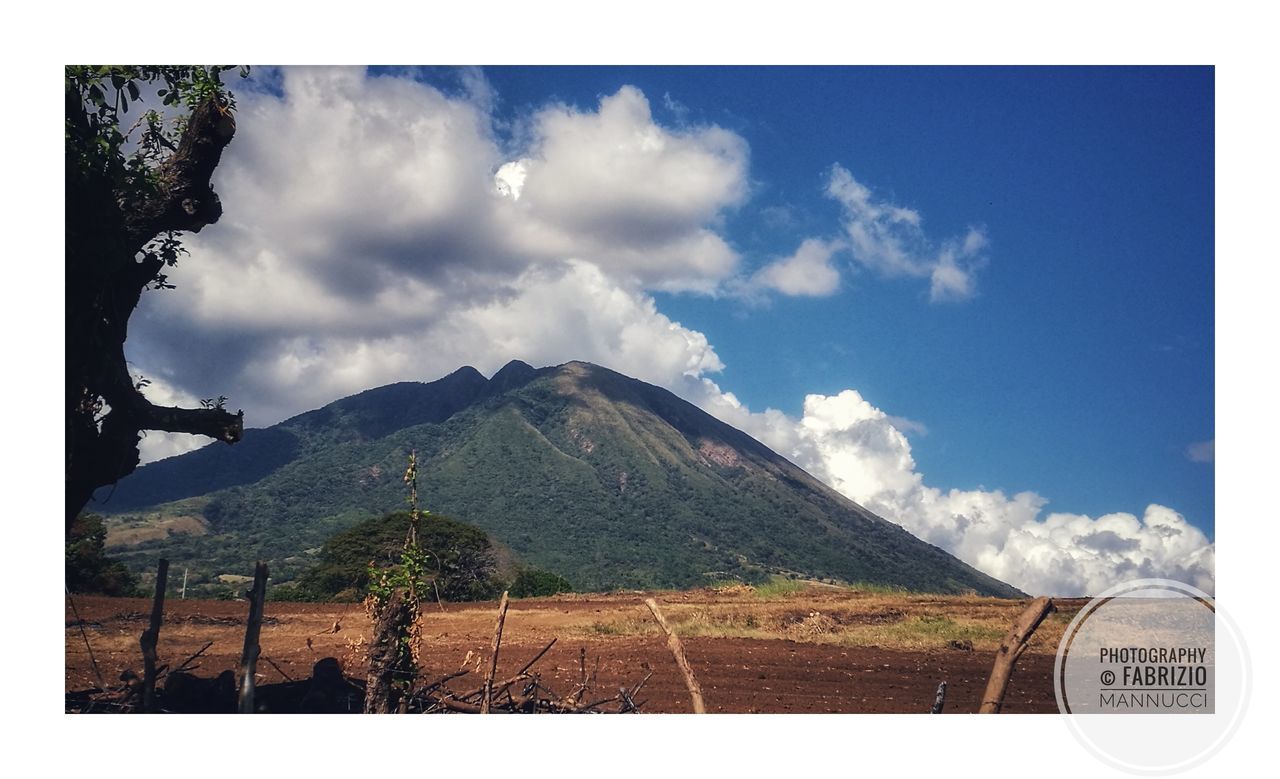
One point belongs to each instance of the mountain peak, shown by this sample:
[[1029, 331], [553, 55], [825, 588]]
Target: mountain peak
[[514, 374], [515, 367], [466, 372]]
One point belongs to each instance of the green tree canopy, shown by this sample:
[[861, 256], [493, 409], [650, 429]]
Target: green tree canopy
[[460, 559], [88, 568]]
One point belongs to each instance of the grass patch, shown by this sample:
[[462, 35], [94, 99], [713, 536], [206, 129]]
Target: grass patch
[[779, 587], [878, 589], [924, 631]]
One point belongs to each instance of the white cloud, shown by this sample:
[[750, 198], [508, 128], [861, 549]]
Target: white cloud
[[808, 272], [848, 443], [376, 229], [1200, 452], [613, 187], [889, 240]]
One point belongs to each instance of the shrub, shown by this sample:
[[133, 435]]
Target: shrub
[[536, 583]]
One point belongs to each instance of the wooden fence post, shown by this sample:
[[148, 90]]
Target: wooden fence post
[[677, 651], [1011, 648], [151, 638], [493, 663], [249, 659]]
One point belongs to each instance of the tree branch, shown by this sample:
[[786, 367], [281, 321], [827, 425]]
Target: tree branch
[[186, 200], [213, 422]]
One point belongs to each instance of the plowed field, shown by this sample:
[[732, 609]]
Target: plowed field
[[815, 650]]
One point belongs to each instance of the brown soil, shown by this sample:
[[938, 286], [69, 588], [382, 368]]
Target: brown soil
[[811, 652]]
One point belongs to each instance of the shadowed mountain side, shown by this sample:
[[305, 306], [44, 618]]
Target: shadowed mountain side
[[604, 479], [368, 415]]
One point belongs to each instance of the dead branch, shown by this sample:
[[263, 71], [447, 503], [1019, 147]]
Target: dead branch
[[186, 664], [279, 670]]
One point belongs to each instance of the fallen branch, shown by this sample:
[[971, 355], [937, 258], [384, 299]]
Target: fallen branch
[[186, 664], [279, 670]]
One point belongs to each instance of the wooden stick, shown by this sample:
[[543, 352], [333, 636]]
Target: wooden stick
[[151, 638], [249, 658], [184, 666], [101, 684], [1011, 648], [286, 676], [677, 651], [536, 657], [636, 690], [521, 674], [940, 699], [493, 663]]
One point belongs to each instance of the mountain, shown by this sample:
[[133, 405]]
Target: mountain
[[576, 469]]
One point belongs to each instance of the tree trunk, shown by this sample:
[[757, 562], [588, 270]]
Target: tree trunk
[[389, 657]]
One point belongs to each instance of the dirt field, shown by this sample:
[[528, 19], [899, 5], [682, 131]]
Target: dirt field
[[813, 650]]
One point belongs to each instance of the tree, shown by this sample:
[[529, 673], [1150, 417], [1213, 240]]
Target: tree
[[129, 193], [88, 569], [459, 559]]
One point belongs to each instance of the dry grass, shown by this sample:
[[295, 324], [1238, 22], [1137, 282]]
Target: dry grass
[[151, 528], [889, 620]]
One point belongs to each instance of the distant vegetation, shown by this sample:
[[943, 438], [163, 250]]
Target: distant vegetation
[[535, 583], [88, 569]]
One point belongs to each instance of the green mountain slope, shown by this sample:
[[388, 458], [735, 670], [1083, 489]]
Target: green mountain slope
[[604, 479]]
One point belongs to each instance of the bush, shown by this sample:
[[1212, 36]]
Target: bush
[[535, 583]]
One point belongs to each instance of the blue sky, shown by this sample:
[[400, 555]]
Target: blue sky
[[978, 301]]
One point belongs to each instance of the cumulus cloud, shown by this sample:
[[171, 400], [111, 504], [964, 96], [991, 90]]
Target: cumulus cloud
[[858, 450], [889, 240], [808, 272], [613, 187], [377, 229]]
